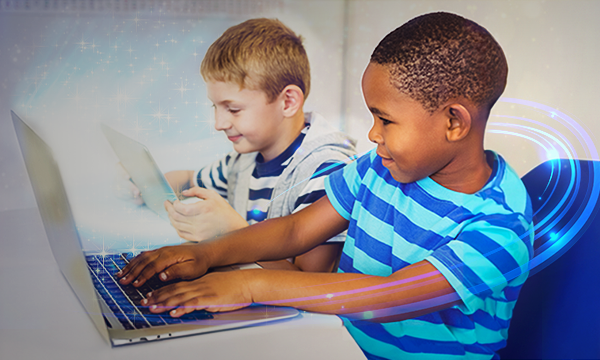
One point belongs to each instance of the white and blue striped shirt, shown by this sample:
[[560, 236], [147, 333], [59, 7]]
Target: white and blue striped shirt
[[264, 178]]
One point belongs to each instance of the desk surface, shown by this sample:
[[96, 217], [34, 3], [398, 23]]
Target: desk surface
[[50, 323]]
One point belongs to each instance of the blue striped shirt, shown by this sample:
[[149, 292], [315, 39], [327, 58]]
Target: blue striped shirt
[[264, 178], [480, 242]]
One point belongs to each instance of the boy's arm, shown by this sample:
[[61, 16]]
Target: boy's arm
[[272, 239], [180, 179], [417, 289], [413, 291], [323, 258]]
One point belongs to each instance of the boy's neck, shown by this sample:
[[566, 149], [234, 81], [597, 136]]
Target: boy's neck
[[290, 130], [468, 173]]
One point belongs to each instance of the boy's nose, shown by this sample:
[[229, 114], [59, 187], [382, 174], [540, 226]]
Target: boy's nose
[[221, 123], [374, 135]]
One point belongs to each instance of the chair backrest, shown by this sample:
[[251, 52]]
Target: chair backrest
[[557, 315]]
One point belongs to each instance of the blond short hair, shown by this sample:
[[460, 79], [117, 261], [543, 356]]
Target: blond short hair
[[259, 54]]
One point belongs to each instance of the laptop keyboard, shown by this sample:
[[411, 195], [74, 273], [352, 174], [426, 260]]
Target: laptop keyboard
[[125, 300]]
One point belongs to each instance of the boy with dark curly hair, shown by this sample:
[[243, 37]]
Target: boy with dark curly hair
[[439, 229]]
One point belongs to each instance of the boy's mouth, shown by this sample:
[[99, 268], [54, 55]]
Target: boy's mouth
[[385, 161], [234, 138]]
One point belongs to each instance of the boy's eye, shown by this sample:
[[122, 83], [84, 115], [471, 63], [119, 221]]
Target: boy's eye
[[233, 111], [385, 121]]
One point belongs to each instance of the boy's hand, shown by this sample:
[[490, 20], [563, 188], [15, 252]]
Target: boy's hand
[[135, 193], [218, 291], [204, 219], [170, 262], [125, 188]]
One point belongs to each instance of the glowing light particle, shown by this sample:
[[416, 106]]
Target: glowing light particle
[[329, 296], [368, 315], [182, 89]]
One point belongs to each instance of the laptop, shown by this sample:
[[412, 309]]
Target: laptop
[[145, 174], [114, 309]]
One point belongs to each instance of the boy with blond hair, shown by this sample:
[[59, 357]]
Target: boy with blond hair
[[439, 229], [258, 76]]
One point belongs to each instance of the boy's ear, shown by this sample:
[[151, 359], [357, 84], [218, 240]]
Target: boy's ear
[[293, 100], [459, 122]]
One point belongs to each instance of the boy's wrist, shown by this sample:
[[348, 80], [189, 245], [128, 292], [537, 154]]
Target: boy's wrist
[[205, 256], [251, 283]]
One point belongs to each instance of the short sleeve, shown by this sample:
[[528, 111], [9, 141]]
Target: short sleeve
[[315, 189], [488, 256], [342, 186], [214, 176]]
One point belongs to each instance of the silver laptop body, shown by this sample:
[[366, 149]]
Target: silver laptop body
[[88, 274]]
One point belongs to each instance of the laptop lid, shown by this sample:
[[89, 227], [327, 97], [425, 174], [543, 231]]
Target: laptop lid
[[142, 168], [67, 249], [57, 218]]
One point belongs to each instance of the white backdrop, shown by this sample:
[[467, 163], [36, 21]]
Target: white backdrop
[[68, 65], [552, 49]]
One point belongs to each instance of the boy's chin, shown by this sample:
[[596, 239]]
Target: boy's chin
[[402, 178], [242, 148]]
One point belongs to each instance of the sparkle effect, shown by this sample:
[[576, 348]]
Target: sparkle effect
[[76, 72], [88, 70]]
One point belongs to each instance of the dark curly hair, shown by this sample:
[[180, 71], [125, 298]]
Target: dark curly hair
[[440, 56]]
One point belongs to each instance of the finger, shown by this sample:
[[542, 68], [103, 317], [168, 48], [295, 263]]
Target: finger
[[147, 266], [188, 236], [133, 262], [135, 191], [189, 306], [169, 299], [199, 192], [185, 308], [163, 261], [181, 212], [168, 206], [177, 220], [183, 225], [130, 271], [154, 298], [184, 228], [186, 271], [192, 209]]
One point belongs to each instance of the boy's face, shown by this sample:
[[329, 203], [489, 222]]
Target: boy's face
[[411, 141], [249, 122]]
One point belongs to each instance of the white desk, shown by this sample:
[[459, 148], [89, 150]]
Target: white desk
[[51, 324]]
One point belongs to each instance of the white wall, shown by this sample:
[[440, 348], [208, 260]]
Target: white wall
[[68, 65], [552, 49], [134, 64]]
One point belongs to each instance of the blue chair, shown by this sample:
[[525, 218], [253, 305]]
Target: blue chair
[[557, 315]]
